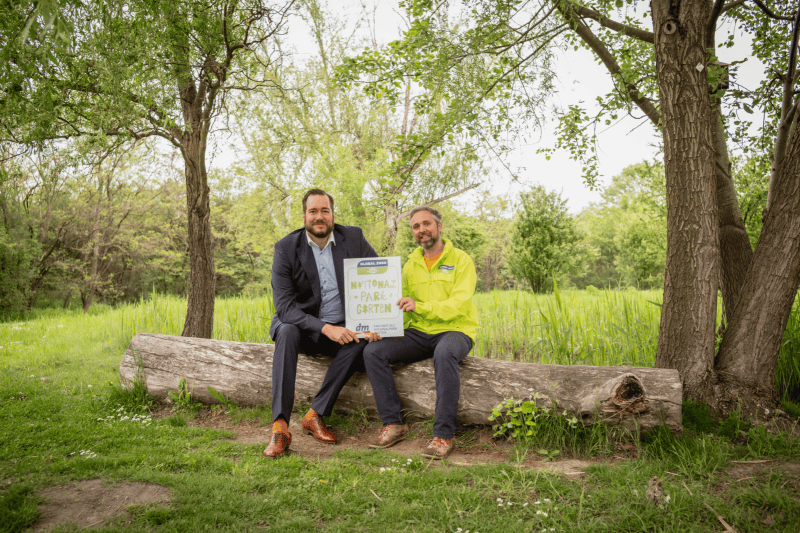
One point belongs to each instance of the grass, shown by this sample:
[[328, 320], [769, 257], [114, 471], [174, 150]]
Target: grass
[[601, 328], [63, 417]]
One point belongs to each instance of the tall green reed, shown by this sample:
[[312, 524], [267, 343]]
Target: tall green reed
[[235, 318], [601, 328]]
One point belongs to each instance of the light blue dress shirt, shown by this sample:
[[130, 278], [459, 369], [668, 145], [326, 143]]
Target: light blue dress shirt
[[331, 310]]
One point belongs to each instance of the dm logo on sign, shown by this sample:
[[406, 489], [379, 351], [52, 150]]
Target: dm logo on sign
[[372, 266]]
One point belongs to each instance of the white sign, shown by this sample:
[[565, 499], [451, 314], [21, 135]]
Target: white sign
[[372, 287]]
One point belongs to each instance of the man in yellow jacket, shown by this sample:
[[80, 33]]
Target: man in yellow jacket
[[440, 323]]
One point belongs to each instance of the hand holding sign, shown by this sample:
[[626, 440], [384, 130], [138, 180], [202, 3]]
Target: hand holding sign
[[407, 305], [339, 334]]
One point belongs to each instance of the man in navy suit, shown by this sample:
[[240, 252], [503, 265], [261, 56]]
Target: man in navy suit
[[308, 292]]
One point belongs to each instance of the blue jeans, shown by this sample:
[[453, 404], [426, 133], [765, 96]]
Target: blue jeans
[[446, 349]]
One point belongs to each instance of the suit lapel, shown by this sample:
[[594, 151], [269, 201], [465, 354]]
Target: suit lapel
[[306, 256], [339, 255]]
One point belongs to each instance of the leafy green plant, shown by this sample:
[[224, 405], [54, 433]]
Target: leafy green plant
[[226, 402], [517, 418], [548, 455], [183, 399], [131, 394], [523, 420]]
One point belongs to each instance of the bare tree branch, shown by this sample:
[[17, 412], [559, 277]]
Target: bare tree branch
[[712, 20], [401, 216]]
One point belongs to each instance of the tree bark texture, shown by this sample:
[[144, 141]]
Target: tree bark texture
[[748, 355], [736, 253], [688, 318], [625, 396], [202, 276]]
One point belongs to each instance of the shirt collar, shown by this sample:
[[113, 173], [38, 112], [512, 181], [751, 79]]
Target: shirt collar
[[331, 241]]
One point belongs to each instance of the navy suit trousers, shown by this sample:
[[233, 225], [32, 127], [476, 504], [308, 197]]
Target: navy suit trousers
[[291, 340]]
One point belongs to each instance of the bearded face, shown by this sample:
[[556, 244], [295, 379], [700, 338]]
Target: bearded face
[[427, 232], [318, 217]]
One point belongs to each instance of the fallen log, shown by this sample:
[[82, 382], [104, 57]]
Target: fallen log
[[626, 396]]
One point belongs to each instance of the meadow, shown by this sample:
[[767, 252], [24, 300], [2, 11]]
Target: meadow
[[64, 418]]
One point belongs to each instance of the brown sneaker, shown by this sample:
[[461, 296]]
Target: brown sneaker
[[439, 448], [278, 445], [390, 435]]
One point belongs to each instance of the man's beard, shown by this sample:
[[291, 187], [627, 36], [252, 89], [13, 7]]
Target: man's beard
[[431, 242], [319, 234]]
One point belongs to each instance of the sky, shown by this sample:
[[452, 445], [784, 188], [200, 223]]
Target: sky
[[579, 79]]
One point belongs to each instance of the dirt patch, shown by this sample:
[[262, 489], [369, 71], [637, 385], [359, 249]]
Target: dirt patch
[[741, 471], [474, 445], [95, 502]]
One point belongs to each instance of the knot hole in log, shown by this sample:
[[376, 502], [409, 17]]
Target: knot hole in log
[[618, 398]]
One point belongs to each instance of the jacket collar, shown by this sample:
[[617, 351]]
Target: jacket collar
[[306, 255]]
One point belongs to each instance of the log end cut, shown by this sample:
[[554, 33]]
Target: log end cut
[[620, 400]]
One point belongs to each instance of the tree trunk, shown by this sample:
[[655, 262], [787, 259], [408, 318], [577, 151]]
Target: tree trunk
[[202, 276], [87, 300], [736, 254], [625, 396], [748, 355], [688, 318]]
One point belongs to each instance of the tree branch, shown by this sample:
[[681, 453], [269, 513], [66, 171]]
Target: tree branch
[[711, 27], [401, 216], [587, 12], [600, 49], [730, 5], [767, 11], [787, 109]]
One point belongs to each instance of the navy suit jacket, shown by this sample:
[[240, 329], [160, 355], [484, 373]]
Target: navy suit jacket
[[296, 289]]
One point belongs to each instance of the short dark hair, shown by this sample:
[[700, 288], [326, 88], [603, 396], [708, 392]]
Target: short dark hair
[[437, 216], [316, 192]]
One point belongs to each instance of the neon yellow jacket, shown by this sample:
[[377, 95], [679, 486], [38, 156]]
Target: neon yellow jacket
[[443, 296]]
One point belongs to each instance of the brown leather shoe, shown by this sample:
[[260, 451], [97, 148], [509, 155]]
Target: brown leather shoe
[[317, 429], [390, 435], [439, 448], [278, 445]]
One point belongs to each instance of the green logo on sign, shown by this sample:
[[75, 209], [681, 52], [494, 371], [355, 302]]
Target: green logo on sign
[[364, 271]]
